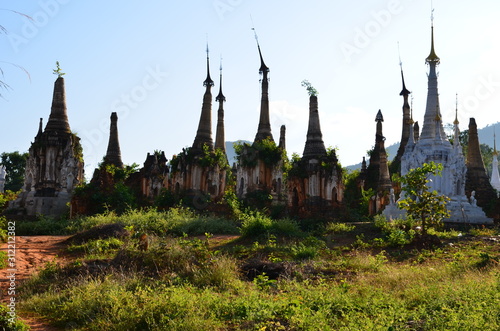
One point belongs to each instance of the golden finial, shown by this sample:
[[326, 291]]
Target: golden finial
[[456, 110], [432, 56]]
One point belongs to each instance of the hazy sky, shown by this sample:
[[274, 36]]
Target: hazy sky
[[146, 61]]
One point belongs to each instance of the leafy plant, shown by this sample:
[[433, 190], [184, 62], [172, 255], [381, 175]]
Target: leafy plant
[[310, 89], [428, 207], [265, 150], [58, 70]]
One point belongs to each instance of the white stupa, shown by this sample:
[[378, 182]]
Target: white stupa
[[434, 146]]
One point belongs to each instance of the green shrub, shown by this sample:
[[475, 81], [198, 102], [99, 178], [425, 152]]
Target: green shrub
[[338, 227], [398, 232], [255, 224], [9, 323]]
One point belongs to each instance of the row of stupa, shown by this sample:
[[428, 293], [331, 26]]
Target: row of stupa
[[55, 162]]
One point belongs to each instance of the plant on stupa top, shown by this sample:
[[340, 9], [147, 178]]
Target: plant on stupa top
[[310, 89], [58, 71]]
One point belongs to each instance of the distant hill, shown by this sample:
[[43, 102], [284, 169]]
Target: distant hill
[[485, 137]]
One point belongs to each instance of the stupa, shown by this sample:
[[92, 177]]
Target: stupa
[[433, 146]]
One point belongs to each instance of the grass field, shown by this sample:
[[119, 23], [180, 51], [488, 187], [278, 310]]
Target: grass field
[[256, 273]]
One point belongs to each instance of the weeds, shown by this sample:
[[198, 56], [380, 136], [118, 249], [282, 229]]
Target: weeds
[[180, 283]]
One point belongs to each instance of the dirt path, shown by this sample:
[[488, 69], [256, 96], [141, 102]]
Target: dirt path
[[31, 254]]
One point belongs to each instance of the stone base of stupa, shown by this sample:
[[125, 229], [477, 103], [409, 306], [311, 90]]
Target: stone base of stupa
[[464, 212], [460, 209]]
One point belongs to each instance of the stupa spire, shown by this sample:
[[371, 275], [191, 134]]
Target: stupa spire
[[204, 133], [429, 129], [208, 81], [315, 147], [378, 170], [40, 127], [58, 119], [219, 135], [113, 154], [456, 130], [406, 125], [432, 55], [264, 129]]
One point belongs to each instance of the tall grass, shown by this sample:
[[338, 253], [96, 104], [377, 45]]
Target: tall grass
[[174, 221], [416, 298], [180, 283]]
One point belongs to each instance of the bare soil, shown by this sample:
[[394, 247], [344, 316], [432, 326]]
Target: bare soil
[[31, 254]]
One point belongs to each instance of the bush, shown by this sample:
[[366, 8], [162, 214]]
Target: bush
[[338, 227], [399, 232], [256, 224], [7, 323]]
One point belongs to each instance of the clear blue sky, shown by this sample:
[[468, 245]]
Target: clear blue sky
[[146, 60]]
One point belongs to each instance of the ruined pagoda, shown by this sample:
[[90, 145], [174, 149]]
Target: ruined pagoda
[[264, 128], [260, 165], [315, 181], [55, 162], [378, 177], [204, 133], [477, 178], [196, 172], [434, 146], [113, 153]]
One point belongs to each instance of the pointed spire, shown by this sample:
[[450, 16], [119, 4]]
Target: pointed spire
[[378, 170], [263, 68], [429, 130], [40, 127], [456, 131], [264, 129], [204, 132], [406, 125], [220, 97], [432, 55], [219, 135], [404, 91], [315, 147], [113, 154], [208, 81], [58, 119]]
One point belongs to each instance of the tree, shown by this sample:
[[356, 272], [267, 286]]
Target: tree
[[15, 164], [421, 204]]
